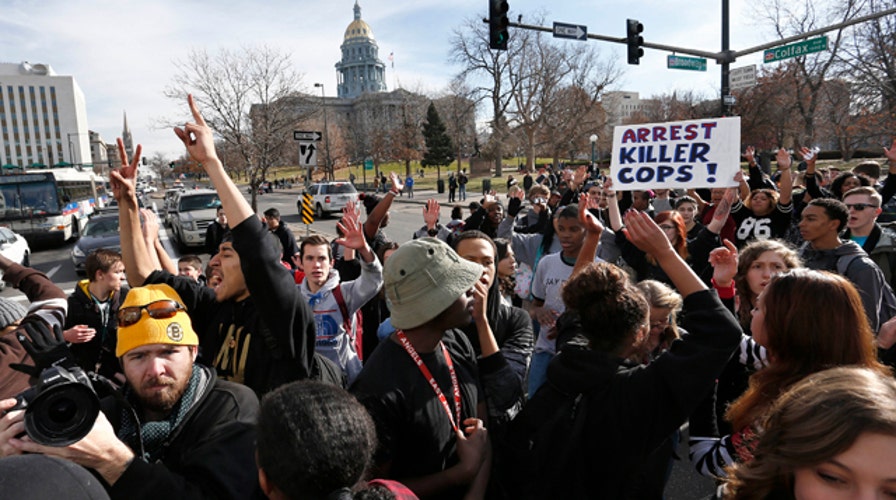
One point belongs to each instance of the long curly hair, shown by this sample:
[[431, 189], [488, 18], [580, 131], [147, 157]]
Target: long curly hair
[[820, 417]]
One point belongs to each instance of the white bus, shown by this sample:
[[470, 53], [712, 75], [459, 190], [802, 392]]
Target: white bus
[[50, 204]]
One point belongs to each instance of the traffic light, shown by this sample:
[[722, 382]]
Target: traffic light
[[143, 160], [171, 164], [634, 40], [497, 24]]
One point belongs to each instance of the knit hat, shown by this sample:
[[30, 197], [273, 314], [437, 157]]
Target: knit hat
[[423, 278], [176, 330], [10, 312]]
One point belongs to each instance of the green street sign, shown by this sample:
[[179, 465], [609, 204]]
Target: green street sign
[[682, 62], [368, 164], [796, 49]]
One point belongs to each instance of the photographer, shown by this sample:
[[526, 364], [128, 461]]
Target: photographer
[[48, 303], [175, 432]]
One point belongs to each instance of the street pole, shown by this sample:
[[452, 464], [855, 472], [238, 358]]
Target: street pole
[[323, 103], [726, 107]]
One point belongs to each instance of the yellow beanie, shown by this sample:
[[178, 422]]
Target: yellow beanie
[[176, 330]]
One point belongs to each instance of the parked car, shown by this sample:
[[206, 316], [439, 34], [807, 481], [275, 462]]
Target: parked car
[[101, 231], [191, 215], [328, 197], [14, 247]]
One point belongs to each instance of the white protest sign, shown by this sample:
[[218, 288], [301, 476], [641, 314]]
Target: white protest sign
[[686, 154]]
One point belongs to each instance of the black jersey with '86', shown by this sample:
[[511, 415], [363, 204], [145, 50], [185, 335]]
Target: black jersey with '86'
[[750, 226]]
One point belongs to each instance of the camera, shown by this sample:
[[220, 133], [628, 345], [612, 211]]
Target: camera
[[540, 201], [60, 408]]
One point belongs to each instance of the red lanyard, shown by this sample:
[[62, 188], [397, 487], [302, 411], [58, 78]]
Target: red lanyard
[[455, 419]]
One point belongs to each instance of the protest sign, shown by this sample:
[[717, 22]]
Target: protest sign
[[685, 154]]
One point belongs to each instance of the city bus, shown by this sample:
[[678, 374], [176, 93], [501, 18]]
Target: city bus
[[50, 204]]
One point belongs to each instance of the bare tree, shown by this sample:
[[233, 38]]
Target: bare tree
[[486, 71], [458, 111], [791, 18], [244, 97]]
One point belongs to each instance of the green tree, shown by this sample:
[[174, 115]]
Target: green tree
[[439, 150]]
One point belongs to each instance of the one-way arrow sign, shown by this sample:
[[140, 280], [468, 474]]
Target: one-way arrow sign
[[301, 135], [571, 31]]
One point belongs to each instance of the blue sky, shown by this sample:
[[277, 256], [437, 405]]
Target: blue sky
[[121, 53]]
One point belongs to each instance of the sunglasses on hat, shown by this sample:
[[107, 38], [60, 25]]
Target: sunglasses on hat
[[160, 309]]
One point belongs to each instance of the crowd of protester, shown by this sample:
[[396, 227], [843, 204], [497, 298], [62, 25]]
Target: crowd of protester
[[552, 344]]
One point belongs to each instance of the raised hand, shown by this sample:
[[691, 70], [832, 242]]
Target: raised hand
[[891, 153], [123, 180], [724, 264], [643, 232], [592, 225], [197, 136], [784, 160], [809, 157], [431, 213], [750, 155], [579, 175], [353, 231], [397, 185]]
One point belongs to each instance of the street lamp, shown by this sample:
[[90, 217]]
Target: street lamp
[[593, 139], [323, 104]]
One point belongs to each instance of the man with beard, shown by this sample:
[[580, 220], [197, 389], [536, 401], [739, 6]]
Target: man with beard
[[176, 431]]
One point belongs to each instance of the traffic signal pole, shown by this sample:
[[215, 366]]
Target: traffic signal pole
[[724, 57]]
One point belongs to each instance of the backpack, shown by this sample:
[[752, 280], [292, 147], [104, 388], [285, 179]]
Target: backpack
[[545, 442], [351, 323], [888, 299]]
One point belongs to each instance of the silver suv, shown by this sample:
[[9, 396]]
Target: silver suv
[[329, 197], [191, 214]]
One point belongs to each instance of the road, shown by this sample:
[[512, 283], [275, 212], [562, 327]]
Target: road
[[406, 216]]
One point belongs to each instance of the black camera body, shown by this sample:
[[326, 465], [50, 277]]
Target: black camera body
[[60, 408]]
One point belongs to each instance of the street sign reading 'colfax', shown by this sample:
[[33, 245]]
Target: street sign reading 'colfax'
[[796, 49]]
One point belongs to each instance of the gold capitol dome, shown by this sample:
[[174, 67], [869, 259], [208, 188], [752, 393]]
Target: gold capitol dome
[[358, 28]]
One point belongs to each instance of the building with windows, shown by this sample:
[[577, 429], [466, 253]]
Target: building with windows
[[43, 117], [360, 69]]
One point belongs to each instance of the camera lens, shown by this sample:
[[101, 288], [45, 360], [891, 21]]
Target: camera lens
[[62, 414], [62, 411]]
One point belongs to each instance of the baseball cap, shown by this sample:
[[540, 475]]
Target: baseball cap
[[423, 278]]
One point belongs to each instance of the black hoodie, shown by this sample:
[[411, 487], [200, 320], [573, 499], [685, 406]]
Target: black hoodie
[[630, 409]]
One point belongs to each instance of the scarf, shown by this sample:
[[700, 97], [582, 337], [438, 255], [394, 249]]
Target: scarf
[[153, 435]]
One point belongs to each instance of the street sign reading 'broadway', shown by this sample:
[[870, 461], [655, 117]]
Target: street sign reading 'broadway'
[[796, 49], [682, 62]]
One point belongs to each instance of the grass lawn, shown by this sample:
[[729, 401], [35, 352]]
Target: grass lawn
[[510, 167]]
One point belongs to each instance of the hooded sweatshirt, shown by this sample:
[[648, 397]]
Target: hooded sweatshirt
[[333, 342], [861, 271]]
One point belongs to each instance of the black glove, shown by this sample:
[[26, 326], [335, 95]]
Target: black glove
[[514, 206], [46, 347]]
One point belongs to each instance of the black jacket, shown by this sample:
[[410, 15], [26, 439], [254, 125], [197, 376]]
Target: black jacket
[[274, 323], [631, 409], [213, 236], [100, 350], [210, 454]]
